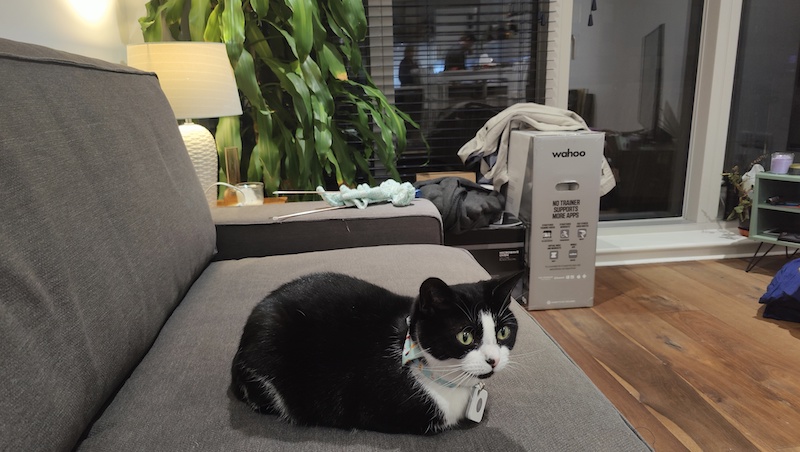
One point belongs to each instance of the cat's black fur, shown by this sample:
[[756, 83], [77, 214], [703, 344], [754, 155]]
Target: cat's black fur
[[326, 349]]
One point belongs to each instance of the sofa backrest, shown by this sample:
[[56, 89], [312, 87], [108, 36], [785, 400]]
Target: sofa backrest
[[103, 229]]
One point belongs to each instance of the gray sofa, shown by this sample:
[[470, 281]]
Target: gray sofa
[[117, 324]]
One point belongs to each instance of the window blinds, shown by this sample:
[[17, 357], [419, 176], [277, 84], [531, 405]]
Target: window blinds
[[451, 65]]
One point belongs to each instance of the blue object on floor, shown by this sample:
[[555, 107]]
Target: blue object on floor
[[782, 298]]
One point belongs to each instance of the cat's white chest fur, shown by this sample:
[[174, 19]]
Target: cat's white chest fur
[[450, 383], [452, 402]]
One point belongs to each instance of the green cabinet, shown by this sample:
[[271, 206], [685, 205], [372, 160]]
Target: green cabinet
[[769, 219]]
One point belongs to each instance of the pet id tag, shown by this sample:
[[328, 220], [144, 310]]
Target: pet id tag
[[477, 403]]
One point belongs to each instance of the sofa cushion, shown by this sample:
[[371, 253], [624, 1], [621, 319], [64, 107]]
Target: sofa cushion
[[103, 229], [254, 231], [178, 398]]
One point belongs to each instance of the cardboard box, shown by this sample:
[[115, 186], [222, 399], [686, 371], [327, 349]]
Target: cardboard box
[[554, 188], [437, 174]]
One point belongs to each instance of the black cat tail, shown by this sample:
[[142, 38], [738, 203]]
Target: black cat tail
[[237, 385], [246, 389]]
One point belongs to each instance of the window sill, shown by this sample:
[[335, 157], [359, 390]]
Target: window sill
[[679, 241]]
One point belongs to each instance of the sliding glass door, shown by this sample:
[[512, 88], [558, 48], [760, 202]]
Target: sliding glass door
[[632, 74]]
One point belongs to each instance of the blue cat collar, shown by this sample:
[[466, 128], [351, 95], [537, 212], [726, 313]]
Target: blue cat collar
[[412, 353]]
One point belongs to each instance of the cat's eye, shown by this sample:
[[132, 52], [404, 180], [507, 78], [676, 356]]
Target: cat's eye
[[504, 333], [465, 337]]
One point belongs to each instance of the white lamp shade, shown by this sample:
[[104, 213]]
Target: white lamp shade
[[196, 77]]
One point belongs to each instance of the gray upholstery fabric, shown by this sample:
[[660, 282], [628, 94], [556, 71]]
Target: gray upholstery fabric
[[253, 231], [112, 319], [178, 398], [103, 228]]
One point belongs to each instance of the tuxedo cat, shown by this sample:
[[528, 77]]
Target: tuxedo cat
[[328, 349]]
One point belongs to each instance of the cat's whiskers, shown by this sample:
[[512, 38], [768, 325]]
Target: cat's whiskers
[[442, 366], [513, 363], [458, 380], [452, 374], [526, 354], [460, 305]]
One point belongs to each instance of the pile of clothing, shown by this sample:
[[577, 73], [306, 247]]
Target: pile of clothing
[[464, 205]]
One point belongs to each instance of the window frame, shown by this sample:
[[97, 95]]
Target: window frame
[[698, 230]]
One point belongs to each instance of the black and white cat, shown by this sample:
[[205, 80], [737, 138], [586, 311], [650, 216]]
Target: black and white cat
[[328, 349]]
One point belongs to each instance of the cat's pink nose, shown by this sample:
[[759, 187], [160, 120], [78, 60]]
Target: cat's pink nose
[[492, 362]]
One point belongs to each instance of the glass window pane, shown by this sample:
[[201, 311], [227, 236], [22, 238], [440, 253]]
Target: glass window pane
[[632, 75], [457, 64], [765, 110]]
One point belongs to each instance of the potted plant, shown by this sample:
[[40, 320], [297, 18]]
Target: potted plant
[[742, 187], [312, 113]]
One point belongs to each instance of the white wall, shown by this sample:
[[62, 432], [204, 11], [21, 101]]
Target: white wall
[[607, 58], [94, 28]]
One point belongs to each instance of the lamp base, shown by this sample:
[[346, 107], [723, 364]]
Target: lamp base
[[203, 152]]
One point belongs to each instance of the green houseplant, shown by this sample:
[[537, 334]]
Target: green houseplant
[[742, 209], [742, 187], [311, 111]]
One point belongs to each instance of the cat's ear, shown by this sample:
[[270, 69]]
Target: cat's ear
[[433, 293], [501, 292]]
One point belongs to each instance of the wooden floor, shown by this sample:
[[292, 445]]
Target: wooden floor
[[682, 351]]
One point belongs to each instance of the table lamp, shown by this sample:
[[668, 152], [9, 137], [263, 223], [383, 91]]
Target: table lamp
[[198, 81]]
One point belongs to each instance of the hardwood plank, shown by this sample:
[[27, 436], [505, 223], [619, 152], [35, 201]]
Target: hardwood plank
[[625, 399], [728, 276], [682, 350], [658, 387], [729, 378], [732, 300]]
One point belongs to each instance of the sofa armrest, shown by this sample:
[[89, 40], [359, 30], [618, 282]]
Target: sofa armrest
[[253, 231]]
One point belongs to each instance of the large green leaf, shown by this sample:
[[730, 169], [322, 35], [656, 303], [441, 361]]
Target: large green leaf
[[341, 147], [290, 154], [302, 98], [334, 26], [256, 41], [350, 19], [198, 17], [353, 56], [151, 22], [173, 11], [323, 138], [260, 7], [245, 73], [290, 41], [159, 12], [332, 60], [315, 81], [353, 12], [266, 155], [302, 22], [297, 89], [384, 145], [306, 158], [320, 32], [213, 31], [232, 27], [393, 120]]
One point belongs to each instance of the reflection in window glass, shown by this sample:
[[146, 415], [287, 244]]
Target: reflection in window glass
[[632, 75], [457, 64], [765, 109]]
